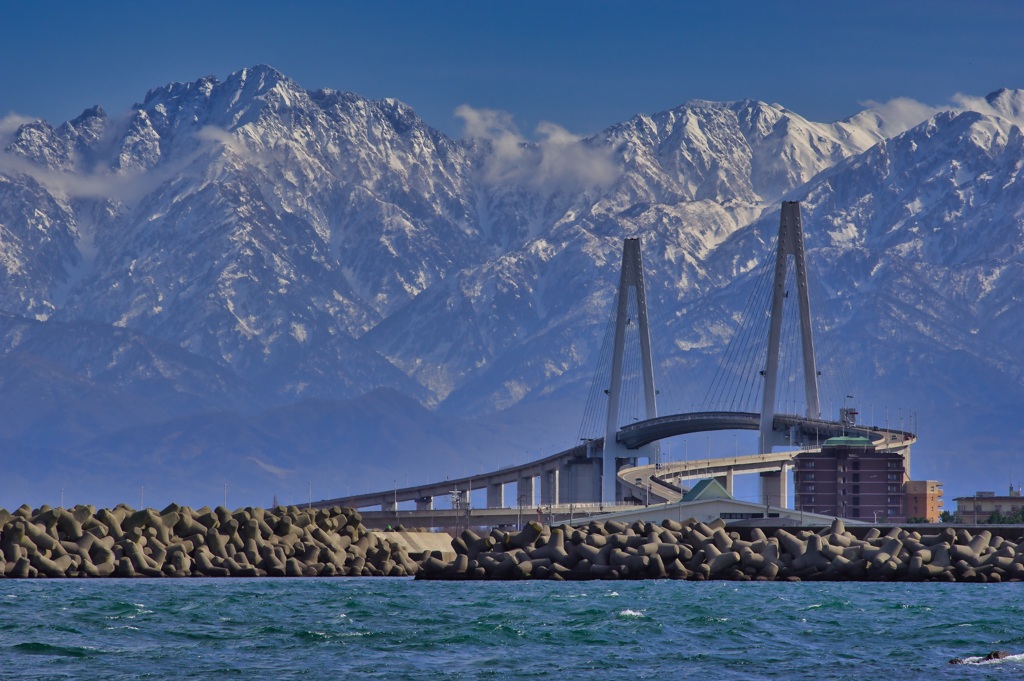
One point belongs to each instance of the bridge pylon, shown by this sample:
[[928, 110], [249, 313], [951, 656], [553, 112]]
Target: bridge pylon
[[630, 280], [790, 244]]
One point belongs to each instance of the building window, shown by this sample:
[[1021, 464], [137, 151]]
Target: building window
[[809, 464]]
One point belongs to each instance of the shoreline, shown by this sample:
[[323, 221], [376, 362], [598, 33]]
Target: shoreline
[[294, 542]]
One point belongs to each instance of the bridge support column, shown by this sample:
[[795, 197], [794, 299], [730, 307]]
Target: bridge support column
[[790, 243], [725, 480], [775, 487], [425, 504], [524, 492], [631, 278], [496, 495], [579, 481], [549, 486], [389, 506]]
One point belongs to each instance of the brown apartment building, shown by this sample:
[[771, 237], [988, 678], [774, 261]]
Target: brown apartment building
[[850, 478]]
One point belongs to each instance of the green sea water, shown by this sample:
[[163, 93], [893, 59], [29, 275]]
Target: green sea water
[[346, 628]]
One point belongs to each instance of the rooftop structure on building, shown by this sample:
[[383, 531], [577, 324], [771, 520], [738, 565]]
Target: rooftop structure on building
[[850, 478], [984, 507], [707, 501]]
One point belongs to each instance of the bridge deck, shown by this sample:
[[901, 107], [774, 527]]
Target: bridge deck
[[634, 436]]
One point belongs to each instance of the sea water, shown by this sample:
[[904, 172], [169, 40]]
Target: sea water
[[378, 628]]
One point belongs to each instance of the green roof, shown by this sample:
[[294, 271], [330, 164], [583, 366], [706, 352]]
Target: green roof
[[848, 441], [709, 488]]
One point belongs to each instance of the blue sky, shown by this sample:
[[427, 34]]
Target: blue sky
[[582, 65]]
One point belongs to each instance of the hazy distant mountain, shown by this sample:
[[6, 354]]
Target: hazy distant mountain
[[203, 287]]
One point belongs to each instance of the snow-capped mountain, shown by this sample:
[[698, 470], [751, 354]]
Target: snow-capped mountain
[[178, 275]]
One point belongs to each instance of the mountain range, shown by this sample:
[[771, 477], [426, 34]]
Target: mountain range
[[291, 292]]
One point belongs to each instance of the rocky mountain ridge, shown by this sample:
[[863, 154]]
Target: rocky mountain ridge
[[246, 246]]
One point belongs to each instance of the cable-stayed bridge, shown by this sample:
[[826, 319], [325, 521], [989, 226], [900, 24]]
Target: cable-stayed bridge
[[768, 381]]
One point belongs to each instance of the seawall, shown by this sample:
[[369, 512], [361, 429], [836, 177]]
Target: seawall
[[699, 551], [183, 542]]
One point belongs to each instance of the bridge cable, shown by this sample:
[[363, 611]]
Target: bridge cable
[[756, 336], [592, 425], [741, 351], [835, 369]]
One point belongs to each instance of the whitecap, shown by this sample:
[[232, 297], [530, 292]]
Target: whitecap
[[980, 659], [1009, 658], [631, 613]]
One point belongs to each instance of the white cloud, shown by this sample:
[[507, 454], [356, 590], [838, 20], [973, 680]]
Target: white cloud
[[559, 161], [234, 144], [903, 113], [9, 124], [125, 186], [1010, 105], [280, 473]]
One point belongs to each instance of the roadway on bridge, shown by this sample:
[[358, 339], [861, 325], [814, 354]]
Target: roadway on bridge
[[634, 436], [660, 482]]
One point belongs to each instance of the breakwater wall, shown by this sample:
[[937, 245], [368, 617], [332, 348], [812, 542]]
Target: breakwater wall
[[181, 542], [699, 551]]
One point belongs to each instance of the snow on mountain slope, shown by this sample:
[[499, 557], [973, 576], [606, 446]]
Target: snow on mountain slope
[[690, 178], [261, 244], [919, 248]]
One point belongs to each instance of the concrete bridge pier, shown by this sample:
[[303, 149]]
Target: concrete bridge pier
[[549, 486], [389, 506], [725, 480], [496, 495], [425, 504], [579, 480], [524, 492], [775, 487]]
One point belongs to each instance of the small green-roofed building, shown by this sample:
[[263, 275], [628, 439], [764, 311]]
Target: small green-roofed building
[[708, 488]]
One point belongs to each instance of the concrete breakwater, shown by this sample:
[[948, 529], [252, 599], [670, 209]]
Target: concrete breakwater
[[699, 551], [181, 542]]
